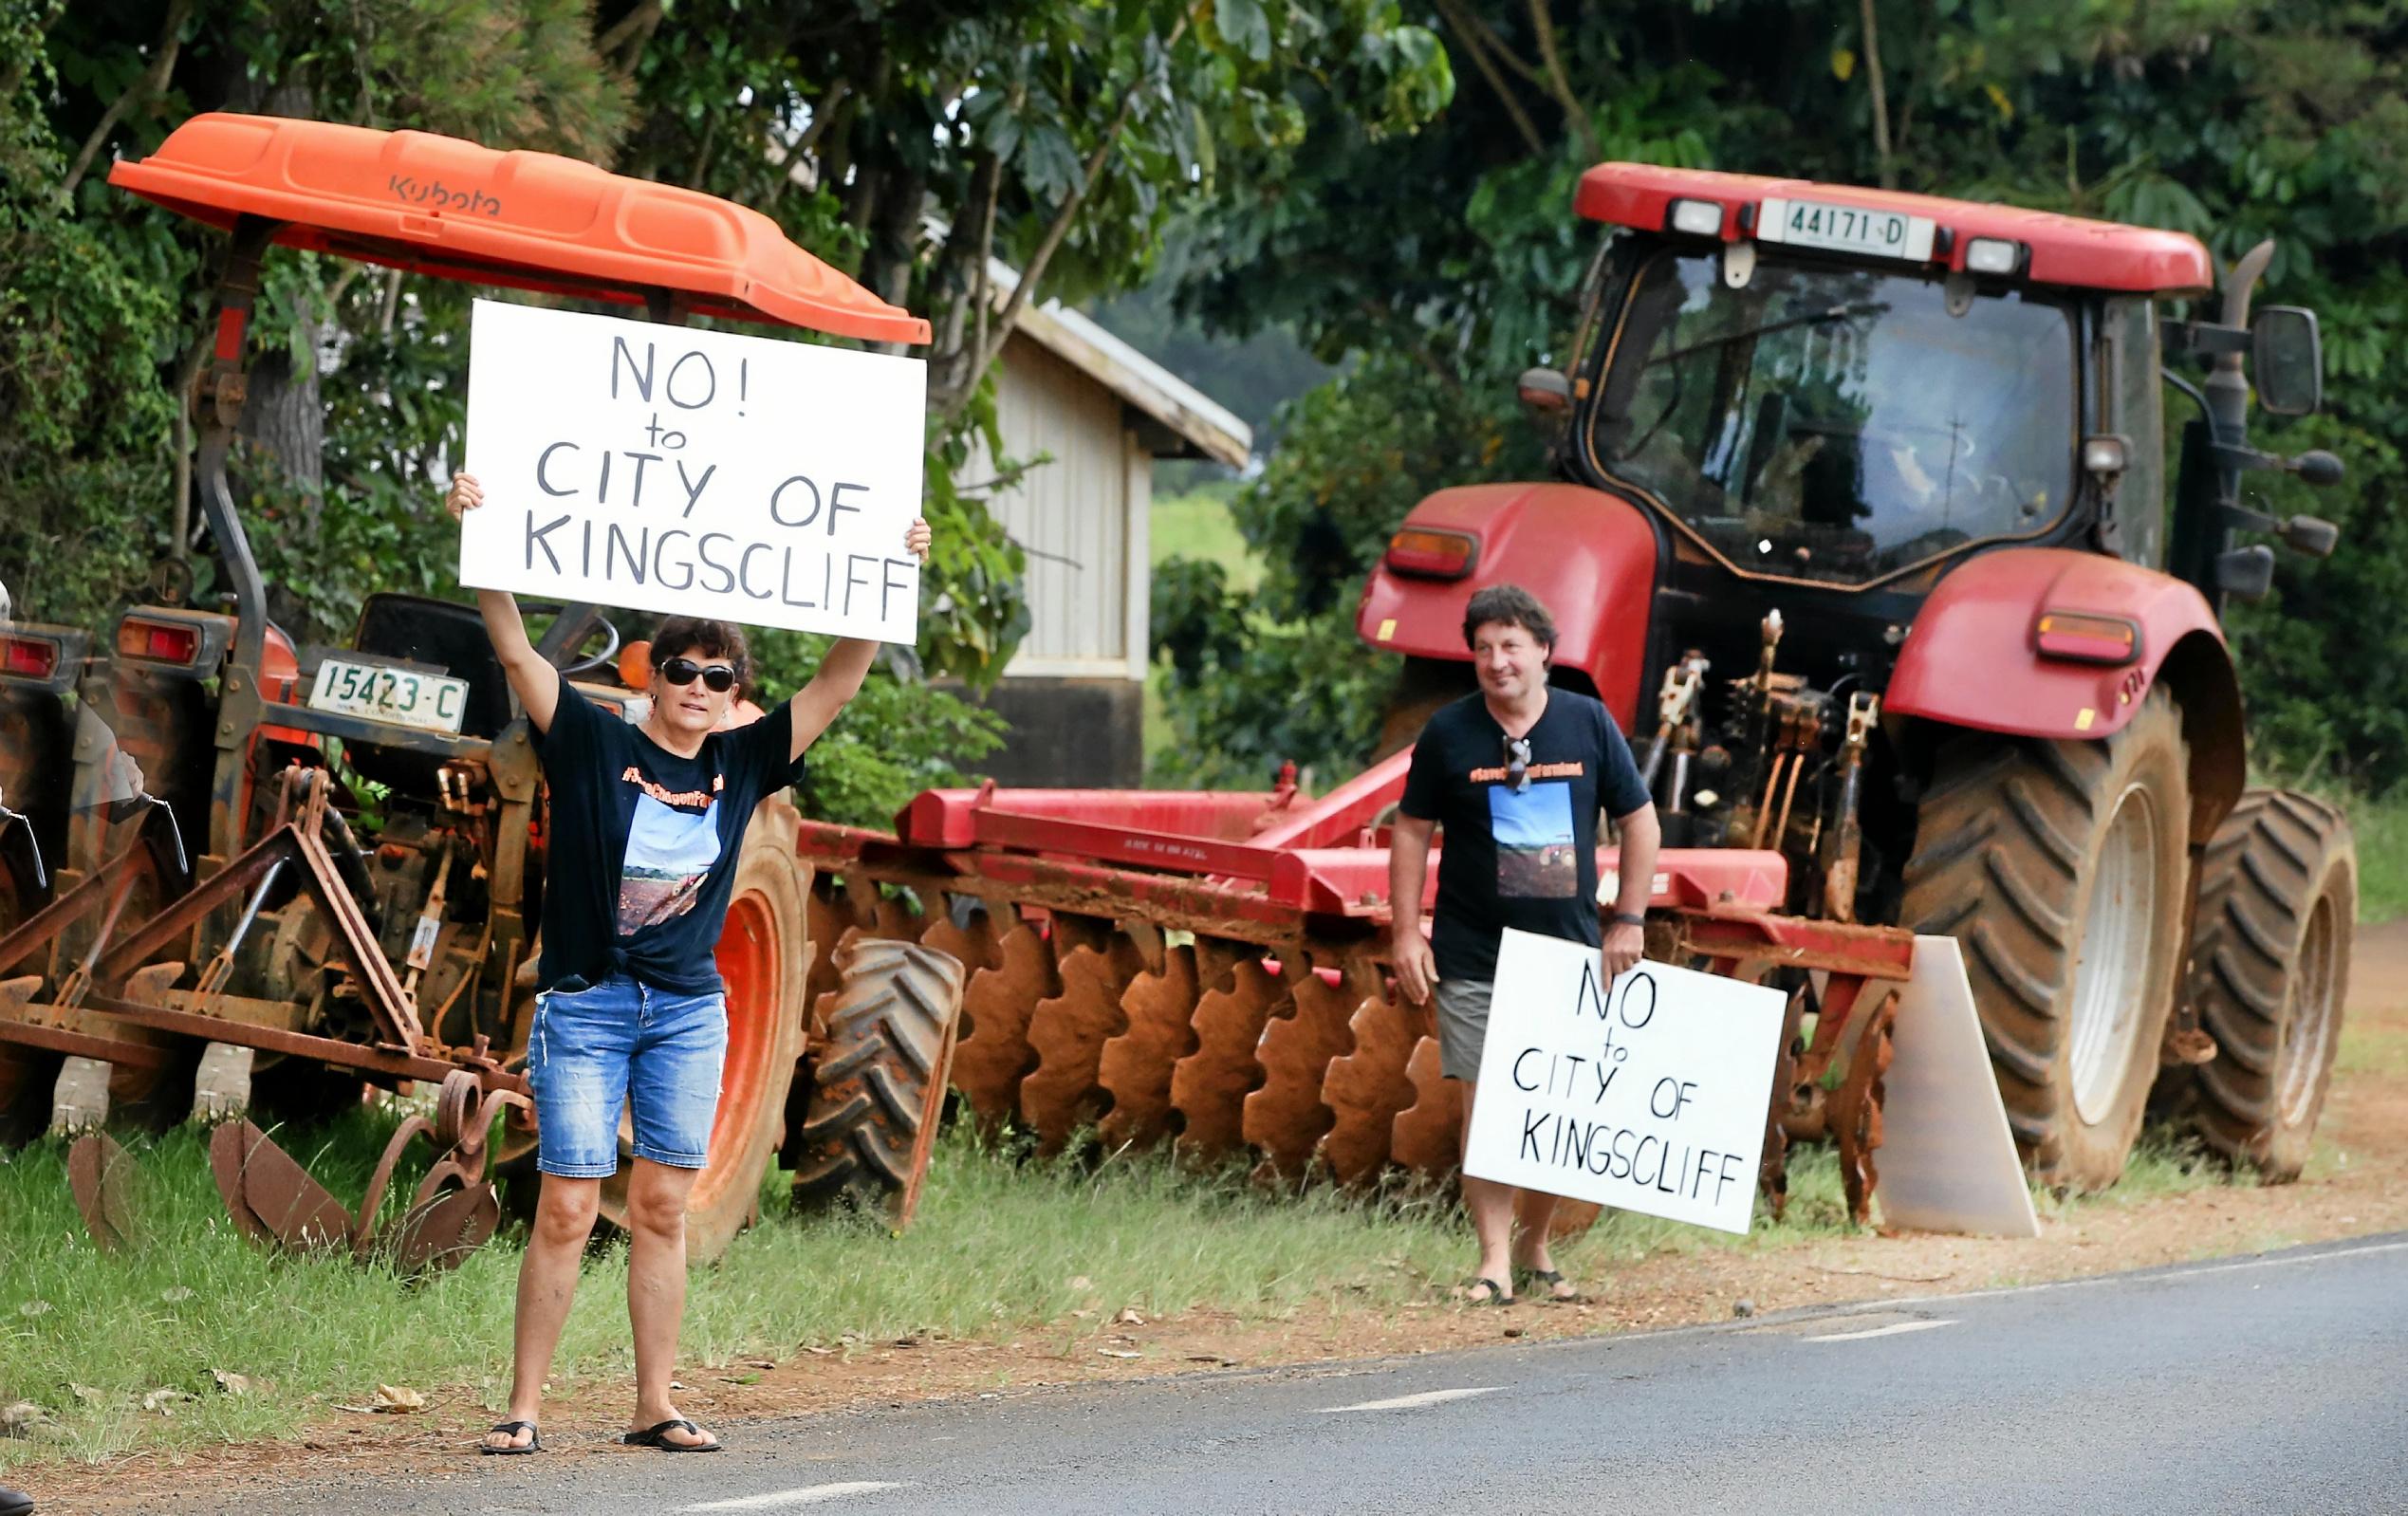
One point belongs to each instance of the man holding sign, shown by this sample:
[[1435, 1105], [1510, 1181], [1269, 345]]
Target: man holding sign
[[1515, 774], [645, 826]]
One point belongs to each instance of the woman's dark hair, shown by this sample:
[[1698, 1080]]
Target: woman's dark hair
[[1508, 605], [686, 635]]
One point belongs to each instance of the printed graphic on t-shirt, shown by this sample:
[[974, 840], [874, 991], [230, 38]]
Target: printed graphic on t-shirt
[[1535, 848], [671, 846]]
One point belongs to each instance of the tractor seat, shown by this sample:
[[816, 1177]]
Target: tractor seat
[[442, 635]]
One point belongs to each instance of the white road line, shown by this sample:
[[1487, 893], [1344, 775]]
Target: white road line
[[790, 1499], [1406, 1402], [1891, 1330]]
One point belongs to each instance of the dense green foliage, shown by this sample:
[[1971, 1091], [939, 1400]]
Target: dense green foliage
[[1447, 261], [908, 144]]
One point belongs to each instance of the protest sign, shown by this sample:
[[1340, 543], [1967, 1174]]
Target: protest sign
[[1648, 1095], [659, 468]]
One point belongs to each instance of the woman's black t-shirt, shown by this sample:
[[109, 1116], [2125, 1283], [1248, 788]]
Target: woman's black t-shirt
[[1527, 858], [642, 844]]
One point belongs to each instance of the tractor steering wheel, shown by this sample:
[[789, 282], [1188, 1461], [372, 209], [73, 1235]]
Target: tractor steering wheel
[[563, 660]]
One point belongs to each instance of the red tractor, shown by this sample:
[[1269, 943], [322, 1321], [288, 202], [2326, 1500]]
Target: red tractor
[[1868, 491]]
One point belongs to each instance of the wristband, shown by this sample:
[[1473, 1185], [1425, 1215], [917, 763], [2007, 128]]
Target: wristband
[[1629, 918]]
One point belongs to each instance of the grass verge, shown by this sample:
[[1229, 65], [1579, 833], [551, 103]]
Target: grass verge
[[995, 1254], [1197, 525]]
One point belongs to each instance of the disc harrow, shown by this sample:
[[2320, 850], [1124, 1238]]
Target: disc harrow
[[1210, 971]]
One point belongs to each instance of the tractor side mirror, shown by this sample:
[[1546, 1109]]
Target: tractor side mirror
[[2247, 572], [2287, 360], [1546, 393]]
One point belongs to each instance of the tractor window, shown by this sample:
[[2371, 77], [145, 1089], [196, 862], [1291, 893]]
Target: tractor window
[[2139, 505], [1838, 424]]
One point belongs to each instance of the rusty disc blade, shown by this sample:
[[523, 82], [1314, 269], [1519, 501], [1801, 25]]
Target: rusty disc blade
[[439, 1233], [1135, 1068], [1067, 1033], [1428, 1135], [270, 1195], [1284, 1120], [993, 1055], [1369, 1087], [101, 1177], [1210, 1085]]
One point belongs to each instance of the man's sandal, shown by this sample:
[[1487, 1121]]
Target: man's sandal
[[1547, 1279], [511, 1428], [1496, 1296], [659, 1437]]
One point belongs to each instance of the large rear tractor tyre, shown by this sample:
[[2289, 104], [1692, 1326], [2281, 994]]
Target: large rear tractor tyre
[[879, 1078], [2062, 867], [2269, 967], [764, 954]]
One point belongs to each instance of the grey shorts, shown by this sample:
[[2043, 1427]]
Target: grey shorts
[[1463, 1024]]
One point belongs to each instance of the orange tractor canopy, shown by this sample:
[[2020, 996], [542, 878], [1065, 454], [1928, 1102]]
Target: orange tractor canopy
[[320, 941]]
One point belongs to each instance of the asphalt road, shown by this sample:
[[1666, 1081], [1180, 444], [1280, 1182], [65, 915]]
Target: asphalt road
[[2277, 1384]]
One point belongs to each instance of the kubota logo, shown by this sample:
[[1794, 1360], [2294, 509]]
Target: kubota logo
[[417, 191]]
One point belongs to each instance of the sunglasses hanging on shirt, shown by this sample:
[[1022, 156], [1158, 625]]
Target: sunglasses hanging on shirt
[[1517, 764], [717, 678]]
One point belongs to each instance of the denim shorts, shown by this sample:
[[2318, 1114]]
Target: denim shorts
[[601, 1048]]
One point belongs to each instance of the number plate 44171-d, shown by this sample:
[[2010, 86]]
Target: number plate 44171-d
[[434, 702], [1845, 228]]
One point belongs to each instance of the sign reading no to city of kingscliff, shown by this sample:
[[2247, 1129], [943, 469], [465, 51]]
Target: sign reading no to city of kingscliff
[[1649, 1094], [663, 469]]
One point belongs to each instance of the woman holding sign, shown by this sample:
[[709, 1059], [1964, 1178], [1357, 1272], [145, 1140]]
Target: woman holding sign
[[1516, 775], [646, 825]]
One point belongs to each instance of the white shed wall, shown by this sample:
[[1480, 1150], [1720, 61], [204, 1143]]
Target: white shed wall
[[1081, 517]]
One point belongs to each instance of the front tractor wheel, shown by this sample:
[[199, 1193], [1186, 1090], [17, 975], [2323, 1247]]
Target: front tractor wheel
[[2270, 966], [879, 1078], [2062, 867], [764, 954]]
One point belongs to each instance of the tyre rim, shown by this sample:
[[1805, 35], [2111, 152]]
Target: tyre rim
[[748, 958], [2305, 1044], [2111, 973]]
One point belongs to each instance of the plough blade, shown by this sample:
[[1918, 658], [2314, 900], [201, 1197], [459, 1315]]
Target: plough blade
[[1135, 1068], [1068, 1032], [1369, 1088], [272, 1198], [439, 1234], [1285, 1118], [1210, 1085], [103, 1179], [1427, 1136], [993, 1054]]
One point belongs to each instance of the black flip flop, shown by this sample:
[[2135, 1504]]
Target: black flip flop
[[15, 1503], [1496, 1295], [535, 1440], [657, 1437], [1548, 1278]]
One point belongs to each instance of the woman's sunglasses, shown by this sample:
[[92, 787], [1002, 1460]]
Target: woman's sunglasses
[[1517, 763], [717, 679]]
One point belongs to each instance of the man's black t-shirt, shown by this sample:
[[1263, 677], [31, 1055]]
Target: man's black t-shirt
[[643, 843], [1524, 859]]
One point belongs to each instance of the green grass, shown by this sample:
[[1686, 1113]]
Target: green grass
[[1198, 525], [993, 1256], [2382, 828]]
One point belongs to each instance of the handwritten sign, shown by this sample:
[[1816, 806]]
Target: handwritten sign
[[1649, 1094], [659, 468]]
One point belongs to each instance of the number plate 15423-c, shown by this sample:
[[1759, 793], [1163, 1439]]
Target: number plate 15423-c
[[434, 702]]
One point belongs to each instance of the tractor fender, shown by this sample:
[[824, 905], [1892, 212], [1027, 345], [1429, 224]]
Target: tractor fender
[[1587, 555], [1971, 660]]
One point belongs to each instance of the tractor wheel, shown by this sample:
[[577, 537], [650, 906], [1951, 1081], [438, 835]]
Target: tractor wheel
[[2269, 965], [2064, 868], [880, 1078], [1425, 687], [763, 953]]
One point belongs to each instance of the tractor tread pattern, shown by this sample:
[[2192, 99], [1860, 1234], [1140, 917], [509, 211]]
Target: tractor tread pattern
[[888, 1029], [2273, 861]]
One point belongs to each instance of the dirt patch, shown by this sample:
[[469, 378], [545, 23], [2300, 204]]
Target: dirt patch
[[2356, 1184]]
